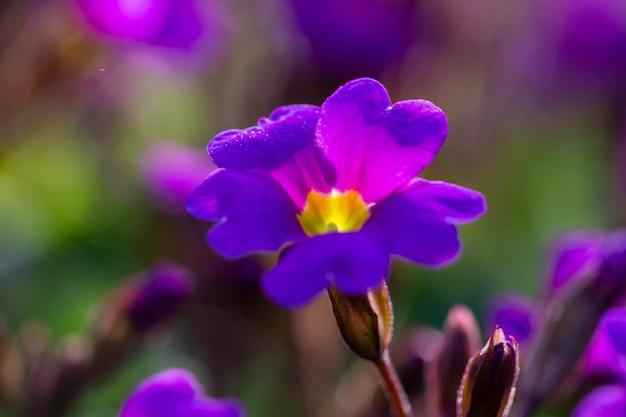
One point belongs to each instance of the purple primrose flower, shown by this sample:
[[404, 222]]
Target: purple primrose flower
[[173, 170], [176, 392], [606, 360], [337, 186]]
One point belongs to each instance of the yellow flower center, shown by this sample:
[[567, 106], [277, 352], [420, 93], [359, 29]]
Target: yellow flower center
[[334, 212]]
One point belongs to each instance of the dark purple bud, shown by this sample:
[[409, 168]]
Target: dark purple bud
[[444, 373], [488, 385], [157, 295], [365, 322]]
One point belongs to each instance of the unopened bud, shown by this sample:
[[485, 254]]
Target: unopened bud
[[158, 296], [488, 385], [365, 321], [461, 339]]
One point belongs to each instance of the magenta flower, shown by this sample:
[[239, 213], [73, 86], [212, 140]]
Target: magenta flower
[[173, 170], [176, 392], [608, 400], [605, 358], [337, 184]]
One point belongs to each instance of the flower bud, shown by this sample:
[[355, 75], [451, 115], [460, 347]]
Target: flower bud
[[365, 321], [444, 372], [488, 385]]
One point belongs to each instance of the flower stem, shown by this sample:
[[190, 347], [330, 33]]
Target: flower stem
[[393, 388]]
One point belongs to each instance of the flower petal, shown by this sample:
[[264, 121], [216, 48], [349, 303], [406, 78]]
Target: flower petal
[[282, 145], [209, 407], [253, 211], [162, 395], [608, 400], [376, 147], [176, 392], [448, 202], [354, 262], [576, 254], [515, 315], [412, 233], [605, 358]]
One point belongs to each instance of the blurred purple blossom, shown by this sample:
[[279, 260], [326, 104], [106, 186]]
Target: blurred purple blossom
[[176, 392], [607, 400], [577, 46], [179, 33], [173, 170], [158, 294], [339, 182], [606, 355], [515, 315], [356, 38]]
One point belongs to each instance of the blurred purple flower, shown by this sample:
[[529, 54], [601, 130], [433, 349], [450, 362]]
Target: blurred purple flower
[[337, 181], [606, 355], [158, 295], [515, 315], [176, 392], [197, 28], [173, 170], [607, 400], [576, 255], [356, 38], [578, 45]]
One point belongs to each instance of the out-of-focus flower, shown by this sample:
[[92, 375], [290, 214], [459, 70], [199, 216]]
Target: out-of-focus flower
[[516, 315], [176, 392], [608, 400], [578, 45], [159, 295], [605, 359], [173, 171], [168, 23], [142, 303], [488, 385], [356, 38], [587, 279], [337, 181]]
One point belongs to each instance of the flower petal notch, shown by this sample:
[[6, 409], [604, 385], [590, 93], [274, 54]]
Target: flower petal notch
[[335, 186], [176, 392]]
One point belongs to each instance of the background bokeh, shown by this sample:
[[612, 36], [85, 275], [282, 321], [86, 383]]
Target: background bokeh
[[96, 97]]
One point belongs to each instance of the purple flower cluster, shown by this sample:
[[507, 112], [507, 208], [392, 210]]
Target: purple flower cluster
[[176, 392], [336, 185], [601, 260]]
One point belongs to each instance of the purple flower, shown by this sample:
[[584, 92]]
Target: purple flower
[[183, 25], [173, 170], [337, 183], [176, 392], [158, 295], [359, 37], [577, 45], [606, 361], [515, 315], [608, 400], [605, 358]]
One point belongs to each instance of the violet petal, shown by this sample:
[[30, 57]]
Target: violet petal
[[376, 147], [353, 262], [253, 211]]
